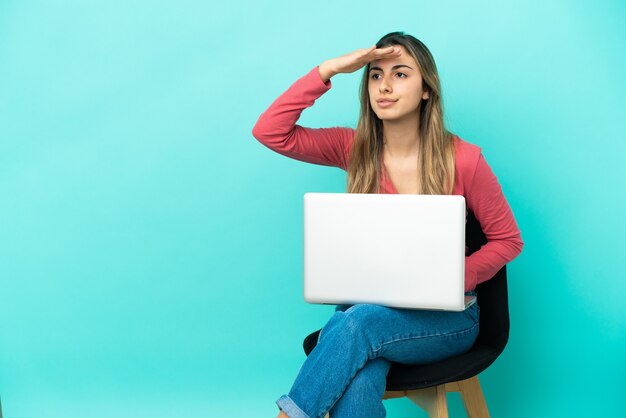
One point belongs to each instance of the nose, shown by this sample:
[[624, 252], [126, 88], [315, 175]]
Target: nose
[[384, 86]]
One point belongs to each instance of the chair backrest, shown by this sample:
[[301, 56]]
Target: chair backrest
[[492, 294]]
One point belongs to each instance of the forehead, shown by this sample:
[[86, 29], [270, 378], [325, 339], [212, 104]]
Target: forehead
[[404, 59]]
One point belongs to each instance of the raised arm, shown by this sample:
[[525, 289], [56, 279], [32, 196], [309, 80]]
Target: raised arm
[[277, 128]]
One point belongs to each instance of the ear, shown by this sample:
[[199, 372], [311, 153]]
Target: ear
[[425, 96]]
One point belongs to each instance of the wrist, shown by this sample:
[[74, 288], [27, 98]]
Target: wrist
[[326, 71]]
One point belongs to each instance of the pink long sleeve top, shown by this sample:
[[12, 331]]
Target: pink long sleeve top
[[474, 179]]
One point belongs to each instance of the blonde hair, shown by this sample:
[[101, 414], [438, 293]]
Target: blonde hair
[[436, 148]]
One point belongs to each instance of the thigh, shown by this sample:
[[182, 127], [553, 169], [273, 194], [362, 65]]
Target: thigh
[[415, 336], [437, 335]]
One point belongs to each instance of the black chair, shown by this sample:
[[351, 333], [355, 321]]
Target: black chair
[[427, 385]]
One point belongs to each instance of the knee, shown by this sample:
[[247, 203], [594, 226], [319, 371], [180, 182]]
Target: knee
[[356, 322], [364, 316]]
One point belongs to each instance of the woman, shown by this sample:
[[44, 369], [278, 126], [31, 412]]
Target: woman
[[400, 145]]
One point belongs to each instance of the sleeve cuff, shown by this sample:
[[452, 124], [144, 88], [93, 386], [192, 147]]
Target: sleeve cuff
[[327, 85], [470, 277]]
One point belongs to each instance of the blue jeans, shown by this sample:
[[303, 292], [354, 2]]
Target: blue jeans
[[346, 372]]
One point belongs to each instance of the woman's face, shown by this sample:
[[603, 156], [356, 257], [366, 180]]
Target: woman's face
[[395, 87]]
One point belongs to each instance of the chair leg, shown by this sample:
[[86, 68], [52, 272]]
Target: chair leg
[[432, 400], [473, 398]]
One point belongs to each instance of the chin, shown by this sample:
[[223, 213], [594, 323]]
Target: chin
[[386, 117]]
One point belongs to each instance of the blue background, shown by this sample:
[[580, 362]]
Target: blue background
[[150, 251]]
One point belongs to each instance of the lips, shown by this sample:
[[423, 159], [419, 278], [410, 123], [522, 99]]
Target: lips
[[385, 102]]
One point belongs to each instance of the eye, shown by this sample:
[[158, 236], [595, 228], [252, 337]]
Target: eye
[[375, 76]]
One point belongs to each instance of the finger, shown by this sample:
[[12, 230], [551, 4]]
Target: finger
[[367, 51], [383, 53], [391, 50]]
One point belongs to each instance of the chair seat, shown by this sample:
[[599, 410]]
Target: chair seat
[[464, 366]]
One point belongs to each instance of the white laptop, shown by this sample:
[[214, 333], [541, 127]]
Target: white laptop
[[397, 250]]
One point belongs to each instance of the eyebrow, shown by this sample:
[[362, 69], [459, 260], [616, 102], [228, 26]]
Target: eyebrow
[[392, 68]]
